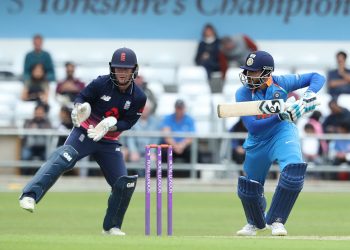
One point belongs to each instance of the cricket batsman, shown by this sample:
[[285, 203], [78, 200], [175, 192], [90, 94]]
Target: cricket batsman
[[109, 105], [272, 139]]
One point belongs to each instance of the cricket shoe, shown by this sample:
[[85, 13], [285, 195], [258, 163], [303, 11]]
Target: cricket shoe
[[27, 203], [278, 229], [113, 231], [249, 230]]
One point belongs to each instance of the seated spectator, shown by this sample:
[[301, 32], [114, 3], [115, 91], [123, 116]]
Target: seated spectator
[[34, 146], [339, 150], [38, 56], [140, 81], [234, 51], [66, 124], [338, 80], [314, 120], [136, 145], [310, 146], [37, 87], [238, 152], [337, 115], [70, 87], [179, 122], [208, 51]]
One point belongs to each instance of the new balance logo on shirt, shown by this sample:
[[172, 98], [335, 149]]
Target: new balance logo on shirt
[[106, 98]]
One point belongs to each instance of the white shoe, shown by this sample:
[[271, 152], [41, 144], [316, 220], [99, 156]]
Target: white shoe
[[248, 230], [27, 203], [113, 231], [278, 229]]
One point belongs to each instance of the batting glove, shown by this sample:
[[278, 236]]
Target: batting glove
[[310, 101], [98, 132], [293, 112], [80, 113]]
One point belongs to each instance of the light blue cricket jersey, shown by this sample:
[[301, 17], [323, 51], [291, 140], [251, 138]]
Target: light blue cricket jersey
[[261, 128]]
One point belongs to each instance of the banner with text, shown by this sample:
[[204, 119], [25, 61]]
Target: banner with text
[[175, 19]]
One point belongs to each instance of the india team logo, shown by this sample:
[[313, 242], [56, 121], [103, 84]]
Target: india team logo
[[250, 61]]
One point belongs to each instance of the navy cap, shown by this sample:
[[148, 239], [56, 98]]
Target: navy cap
[[124, 58], [179, 103], [259, 60]]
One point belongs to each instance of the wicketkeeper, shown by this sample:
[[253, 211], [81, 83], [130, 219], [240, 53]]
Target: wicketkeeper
[[109, 105]]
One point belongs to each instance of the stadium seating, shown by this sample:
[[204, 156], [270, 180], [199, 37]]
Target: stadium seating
[[161, 70], [6, 115], [191, 74], [156, 87], [167, 101], [22, 111], [232, 76], [165, 75], [11, 87]]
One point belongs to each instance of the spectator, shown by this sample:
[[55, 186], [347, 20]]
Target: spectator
[[36, 88], [339, 78], [66, 124], [314, 120], [238, 152], [179, 122], [310, 146], [234, 51], [208, 51], [136, 145], [70, 87], [337, 115], [339, 150], [34, 146], [38, 56], [140, 81]]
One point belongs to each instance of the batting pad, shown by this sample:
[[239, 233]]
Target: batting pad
[[252, 197], [60, 161], [118, 201], [289, 186]]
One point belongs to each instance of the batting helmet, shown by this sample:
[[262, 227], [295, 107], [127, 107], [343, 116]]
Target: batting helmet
[[123, 58], [257, 61]]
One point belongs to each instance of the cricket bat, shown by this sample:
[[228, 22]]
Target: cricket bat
[[235, 109]]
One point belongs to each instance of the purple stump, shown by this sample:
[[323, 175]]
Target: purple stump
[[170, 190], [159, 190], [147, 190]]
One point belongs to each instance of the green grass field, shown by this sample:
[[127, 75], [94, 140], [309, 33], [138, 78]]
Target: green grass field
[[201, 221]]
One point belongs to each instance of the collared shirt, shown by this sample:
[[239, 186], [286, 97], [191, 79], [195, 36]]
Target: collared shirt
[[186, 124]]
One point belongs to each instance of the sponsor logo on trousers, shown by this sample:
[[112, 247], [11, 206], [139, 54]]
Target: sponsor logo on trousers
[[130, 185], [67, 156]]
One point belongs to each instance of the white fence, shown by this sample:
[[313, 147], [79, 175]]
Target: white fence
[[218, 144]]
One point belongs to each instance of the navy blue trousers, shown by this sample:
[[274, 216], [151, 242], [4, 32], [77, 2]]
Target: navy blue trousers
[[107, 154]]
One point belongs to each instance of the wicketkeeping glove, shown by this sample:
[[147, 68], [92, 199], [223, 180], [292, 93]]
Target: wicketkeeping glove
[[310, 101], [80, 113], [294, 110], [98, 132]]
